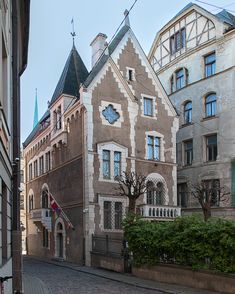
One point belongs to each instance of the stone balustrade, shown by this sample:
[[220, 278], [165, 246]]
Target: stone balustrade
[[159, 211]]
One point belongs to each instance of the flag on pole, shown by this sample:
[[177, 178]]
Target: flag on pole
[[55, 207], [59, 211]]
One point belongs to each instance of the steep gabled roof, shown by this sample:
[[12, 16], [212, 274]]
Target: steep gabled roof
[[74, 73], [227, 17], [100, 63], [111, 48], [37, 129], [224, 15]]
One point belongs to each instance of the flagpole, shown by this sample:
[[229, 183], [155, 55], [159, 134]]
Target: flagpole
[[61, 210]]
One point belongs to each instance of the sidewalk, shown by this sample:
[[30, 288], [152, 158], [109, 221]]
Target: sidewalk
[[32, 285], [113, 276]]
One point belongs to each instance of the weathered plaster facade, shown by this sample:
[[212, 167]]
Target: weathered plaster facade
[[204, 34]]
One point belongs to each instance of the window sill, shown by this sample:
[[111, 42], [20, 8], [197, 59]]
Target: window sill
[[206, 77], [186, 125], [108, 180], [153, 160], [149, 116], [177, 90], [209, 117]]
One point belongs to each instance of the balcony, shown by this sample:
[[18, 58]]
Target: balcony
[[43, 216], [159, 212]]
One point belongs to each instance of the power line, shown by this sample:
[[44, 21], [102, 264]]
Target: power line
[[107, 45], [126, 15], [218, 7]]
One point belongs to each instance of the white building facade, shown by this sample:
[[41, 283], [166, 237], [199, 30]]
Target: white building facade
[[193, 56]]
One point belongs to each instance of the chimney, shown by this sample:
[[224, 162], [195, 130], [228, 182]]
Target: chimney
[[98, 45]]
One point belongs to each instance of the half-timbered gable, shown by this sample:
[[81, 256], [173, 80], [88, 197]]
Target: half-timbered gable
[[193, 56], [190, 28]]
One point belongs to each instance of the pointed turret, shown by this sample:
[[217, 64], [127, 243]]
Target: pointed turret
[[74, 73], [127, 20], [35, 118]]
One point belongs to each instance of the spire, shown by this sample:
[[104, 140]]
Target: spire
[[127, 21], [74, 73], [73, 34], [35, 119]]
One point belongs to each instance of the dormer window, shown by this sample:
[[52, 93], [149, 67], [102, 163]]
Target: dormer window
[[178, 40]]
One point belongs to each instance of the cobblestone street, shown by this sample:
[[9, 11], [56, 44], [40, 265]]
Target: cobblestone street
[[53, 279]]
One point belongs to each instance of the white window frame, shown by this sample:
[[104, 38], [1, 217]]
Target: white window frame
[[154, 105], [162, 143], [112, 147], [102, 199]]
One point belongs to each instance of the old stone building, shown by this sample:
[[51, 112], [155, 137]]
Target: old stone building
[[116, 118], [193, 56]]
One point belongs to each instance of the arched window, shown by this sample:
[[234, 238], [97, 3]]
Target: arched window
[[210, 105], [45, 199], [155, 193], [150, 192], [179, 79], [59, 227], [159, 193], [188, 112], [31, 202]]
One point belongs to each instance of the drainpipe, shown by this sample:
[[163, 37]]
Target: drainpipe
[[16, 231]]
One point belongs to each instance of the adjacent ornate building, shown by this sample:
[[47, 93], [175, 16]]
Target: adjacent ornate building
[[193, 56], [116, 118]]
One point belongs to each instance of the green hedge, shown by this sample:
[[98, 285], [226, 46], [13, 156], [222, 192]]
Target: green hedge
[[186, 241]]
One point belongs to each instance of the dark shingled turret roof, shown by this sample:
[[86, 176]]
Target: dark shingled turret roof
[[74, 73]]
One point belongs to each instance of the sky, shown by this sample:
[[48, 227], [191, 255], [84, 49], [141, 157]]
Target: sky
[[50, 40]]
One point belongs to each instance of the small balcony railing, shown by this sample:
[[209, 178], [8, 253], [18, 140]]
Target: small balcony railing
[[39, 214], [42, 215], [159, 211]]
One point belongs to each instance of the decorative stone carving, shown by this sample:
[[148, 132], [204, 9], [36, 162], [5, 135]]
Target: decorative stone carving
[[110, 114]]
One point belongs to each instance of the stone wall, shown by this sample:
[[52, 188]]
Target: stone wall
[[197, 279]]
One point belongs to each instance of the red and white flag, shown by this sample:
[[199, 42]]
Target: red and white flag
[[55, 207]]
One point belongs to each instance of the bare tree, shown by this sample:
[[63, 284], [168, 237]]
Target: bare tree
[[131, 185], [208, 194]]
